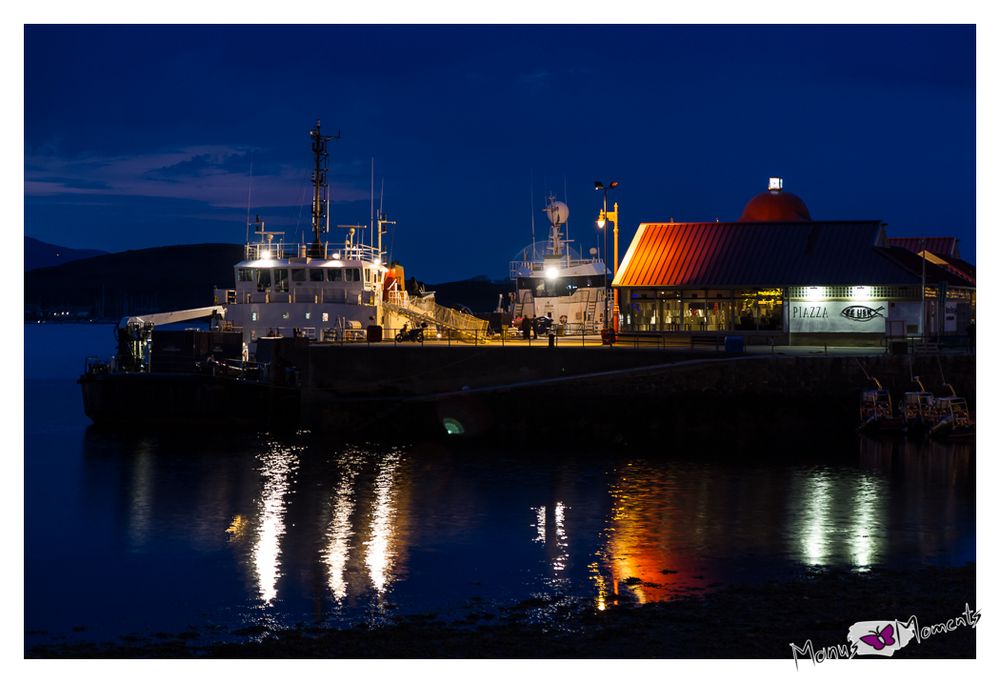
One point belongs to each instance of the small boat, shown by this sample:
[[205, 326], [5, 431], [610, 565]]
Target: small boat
[[953, 419], [918, 411], [876, 412]]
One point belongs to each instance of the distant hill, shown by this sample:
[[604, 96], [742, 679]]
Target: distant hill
[[131, 282], [110, 286], [39, 254], [478, 294]]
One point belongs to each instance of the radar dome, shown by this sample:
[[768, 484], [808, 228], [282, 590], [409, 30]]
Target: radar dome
[[558, 212]]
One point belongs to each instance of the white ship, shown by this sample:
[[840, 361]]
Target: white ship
[[319, 290], [553, 280], [328, 290]]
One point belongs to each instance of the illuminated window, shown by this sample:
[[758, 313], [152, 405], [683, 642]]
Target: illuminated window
[[326, 317]]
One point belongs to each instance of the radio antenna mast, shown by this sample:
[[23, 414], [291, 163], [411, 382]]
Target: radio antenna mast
[[320, 203], [249, 190], [531, 192]]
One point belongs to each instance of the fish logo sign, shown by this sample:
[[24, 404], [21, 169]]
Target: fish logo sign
[[862, 314]]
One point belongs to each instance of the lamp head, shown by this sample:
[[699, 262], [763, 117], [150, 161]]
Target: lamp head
[[598, 185]]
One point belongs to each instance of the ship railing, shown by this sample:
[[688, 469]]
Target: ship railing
[[329, 251], [520, 268]]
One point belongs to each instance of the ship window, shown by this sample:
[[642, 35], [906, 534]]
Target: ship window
[[245, 274], [368, 275], [281, 279], [334, 274], [561, 286], [326, 317], [263, 279], [253, 316], [352, 274], [308, 315], [298, 275], [315, 275]]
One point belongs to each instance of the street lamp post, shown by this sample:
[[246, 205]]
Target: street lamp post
[[602, 220]]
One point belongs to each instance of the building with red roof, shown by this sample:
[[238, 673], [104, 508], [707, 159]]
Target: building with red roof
[[777, 273]]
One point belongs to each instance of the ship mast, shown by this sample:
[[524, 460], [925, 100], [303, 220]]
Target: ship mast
[[321, 201]]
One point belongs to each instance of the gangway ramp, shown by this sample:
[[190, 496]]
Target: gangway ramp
[[425, 310]]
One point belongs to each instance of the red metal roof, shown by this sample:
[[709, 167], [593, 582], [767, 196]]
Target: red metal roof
[[945, 247], [760, 254]]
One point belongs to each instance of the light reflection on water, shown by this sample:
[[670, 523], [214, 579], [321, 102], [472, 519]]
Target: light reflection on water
[[175, 533], [342, 535], [340, 530], [277, 467]]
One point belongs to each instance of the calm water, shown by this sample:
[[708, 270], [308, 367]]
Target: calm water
[[145, 534]]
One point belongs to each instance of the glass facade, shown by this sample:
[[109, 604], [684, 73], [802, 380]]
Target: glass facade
[[701, 310]]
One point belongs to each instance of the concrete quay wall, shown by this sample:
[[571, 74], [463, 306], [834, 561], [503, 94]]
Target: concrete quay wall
[[600, 394]]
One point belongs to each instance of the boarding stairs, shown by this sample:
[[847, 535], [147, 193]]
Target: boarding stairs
[[590, 315], [425, 310]]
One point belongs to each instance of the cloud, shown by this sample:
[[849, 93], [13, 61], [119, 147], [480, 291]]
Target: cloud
[[215, 175]]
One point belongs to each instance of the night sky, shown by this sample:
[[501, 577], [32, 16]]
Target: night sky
[[143, 136]]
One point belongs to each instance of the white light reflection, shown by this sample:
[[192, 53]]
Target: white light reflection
[[379, 554], [141, 499], [815, 524], [539, 524], [276, 468], [340, 531], [561, 558], [864, 522]]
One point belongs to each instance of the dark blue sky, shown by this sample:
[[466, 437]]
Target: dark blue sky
[[141, 136]]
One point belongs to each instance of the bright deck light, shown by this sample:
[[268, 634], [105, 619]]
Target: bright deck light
[[551, 273]]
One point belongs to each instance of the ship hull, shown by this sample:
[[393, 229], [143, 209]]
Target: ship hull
[[187, 399]]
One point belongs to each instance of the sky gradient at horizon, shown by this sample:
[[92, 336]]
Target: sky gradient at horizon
[[139, 136]]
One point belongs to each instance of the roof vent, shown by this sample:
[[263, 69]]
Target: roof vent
[[774, 184]]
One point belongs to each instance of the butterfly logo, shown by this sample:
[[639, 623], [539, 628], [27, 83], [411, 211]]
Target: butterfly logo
[[878, 639]]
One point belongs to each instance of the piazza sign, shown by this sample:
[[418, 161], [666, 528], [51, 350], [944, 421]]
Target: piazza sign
[[838, 316]]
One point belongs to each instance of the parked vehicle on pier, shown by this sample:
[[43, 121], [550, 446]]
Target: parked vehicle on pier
[[411, 334]]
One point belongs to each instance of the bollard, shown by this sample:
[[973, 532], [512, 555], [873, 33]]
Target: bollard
[[552, 340]]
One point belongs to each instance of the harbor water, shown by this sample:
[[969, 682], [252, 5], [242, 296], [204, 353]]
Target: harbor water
[[226, 535]]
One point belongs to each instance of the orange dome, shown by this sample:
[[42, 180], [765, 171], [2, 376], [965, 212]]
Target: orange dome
[[775, 206]]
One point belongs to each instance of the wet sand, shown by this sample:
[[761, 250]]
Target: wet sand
[[753, 621]]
